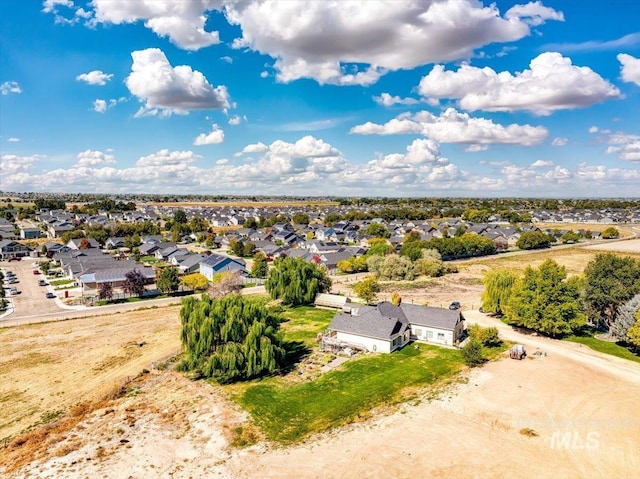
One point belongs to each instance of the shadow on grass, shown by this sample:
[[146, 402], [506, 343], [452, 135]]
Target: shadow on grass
[[295, 351]]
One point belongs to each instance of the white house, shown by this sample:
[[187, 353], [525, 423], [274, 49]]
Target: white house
[[385, 327]]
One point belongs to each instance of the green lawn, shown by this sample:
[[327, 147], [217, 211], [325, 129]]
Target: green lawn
[[606, 347], [304, 323], [289, 412]]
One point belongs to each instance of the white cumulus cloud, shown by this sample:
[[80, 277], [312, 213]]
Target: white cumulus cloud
[[353, 42], [625, 146], [559, 141], [99, 106], [630, 69], [551, 83], [49, 6], [385, 99], [10, 87], [95, 158], [452, 126], [166, 89], [215, 137], [13, 139], [183, 21], [95, 77]]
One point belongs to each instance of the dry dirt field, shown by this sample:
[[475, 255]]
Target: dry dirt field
[[51, 367], [629, 246], [580, 408]]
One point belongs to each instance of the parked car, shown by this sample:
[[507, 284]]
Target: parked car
[[50, 295], [15, 258], [13, 281], [42, 282], [15, 291], [455, 305], [35, 271]]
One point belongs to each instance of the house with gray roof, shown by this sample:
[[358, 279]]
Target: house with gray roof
[[386, 327]]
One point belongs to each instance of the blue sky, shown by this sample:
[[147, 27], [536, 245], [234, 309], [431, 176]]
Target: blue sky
[[348, 98]]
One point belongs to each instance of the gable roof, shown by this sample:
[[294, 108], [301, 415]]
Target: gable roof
[[384, 321], [429, 316]]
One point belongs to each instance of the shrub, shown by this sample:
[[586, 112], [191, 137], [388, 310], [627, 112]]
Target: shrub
[[473, 353]]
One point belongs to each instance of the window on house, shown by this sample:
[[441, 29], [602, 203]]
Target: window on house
[[440, 335], [418, 332], [429, 334]]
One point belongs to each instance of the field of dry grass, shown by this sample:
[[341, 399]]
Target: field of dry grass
[[47, 369]]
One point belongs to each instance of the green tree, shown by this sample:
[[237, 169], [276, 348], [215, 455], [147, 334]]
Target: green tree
[[610, 233], [260, 266], [377, 230], [331, 219], [610, 281], [412, 250], [570, 237], [498, 285], [251, 223], [489, 337], [248, 249], [295, 281], [169, 280], [473, 353], [367, 289], [236, 247], [476, 216], [379, 247], [545, 302], [430, 264], [300, 219], [230, 339], [533, 240], [180, 217], [391, 268], [195, 281], [197, 224]]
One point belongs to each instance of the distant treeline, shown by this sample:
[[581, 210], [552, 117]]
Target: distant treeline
[[443, 206]]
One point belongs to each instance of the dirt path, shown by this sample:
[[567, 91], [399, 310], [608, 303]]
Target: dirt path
[[622, 368]]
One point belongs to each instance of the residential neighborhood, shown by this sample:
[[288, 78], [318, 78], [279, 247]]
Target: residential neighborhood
[[101, 246]]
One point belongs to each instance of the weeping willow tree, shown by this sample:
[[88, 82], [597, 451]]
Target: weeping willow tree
[[295, 281], [497, 290], [229, 339]]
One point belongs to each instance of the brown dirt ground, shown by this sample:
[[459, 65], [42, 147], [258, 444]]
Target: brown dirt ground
[[169, 426]]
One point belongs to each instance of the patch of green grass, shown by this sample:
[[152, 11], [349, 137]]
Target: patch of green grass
[[105, 302], [304, 323], [50, 416], [289, 412], [61, 282], [614, 349]]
